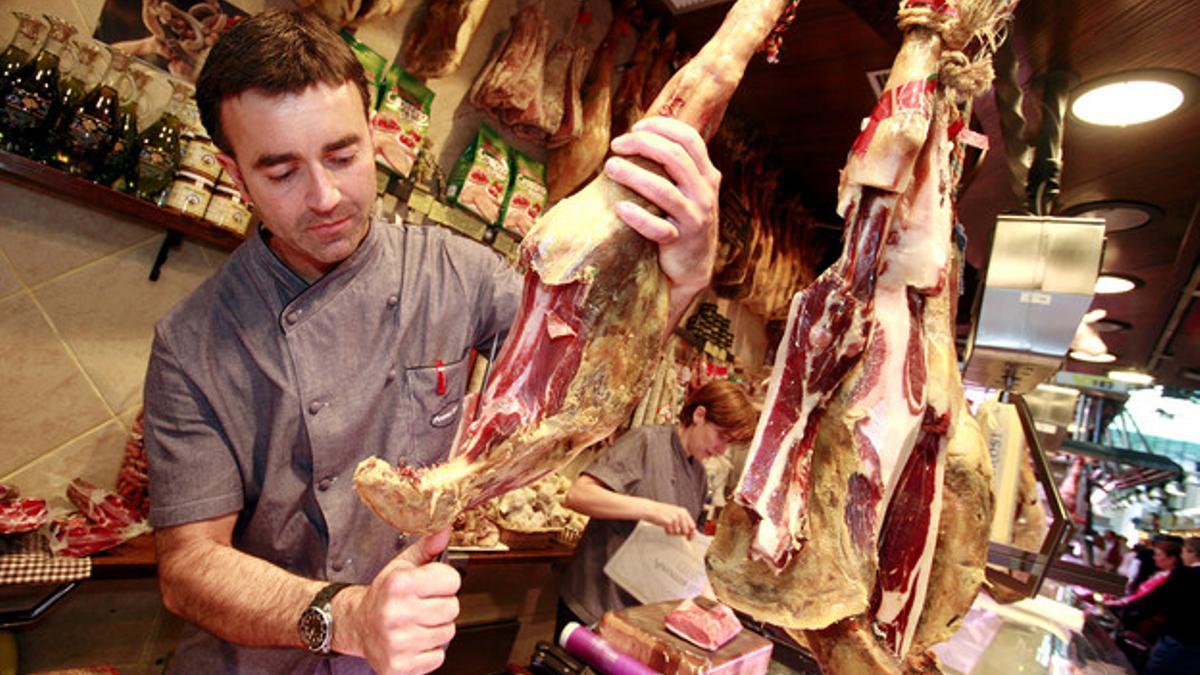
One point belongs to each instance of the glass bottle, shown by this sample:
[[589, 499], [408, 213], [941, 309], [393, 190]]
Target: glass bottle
[[158, 148], [117, 162], [22, 48], [30, 101], [76, 80], [87, 131]]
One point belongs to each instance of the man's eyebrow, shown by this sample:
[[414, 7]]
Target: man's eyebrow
[[265, 161]]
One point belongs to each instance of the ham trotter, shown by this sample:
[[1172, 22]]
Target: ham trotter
[[708, 627], [555, 392]]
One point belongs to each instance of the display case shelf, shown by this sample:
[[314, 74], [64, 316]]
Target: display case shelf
[[28, 173]]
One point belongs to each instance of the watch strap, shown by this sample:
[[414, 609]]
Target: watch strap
[[325, 595]]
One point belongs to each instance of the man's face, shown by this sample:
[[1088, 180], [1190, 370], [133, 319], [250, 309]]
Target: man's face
[[306, 161], [1162, 560]]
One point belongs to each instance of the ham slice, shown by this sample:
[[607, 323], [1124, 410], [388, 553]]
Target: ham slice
[[18, 516], [439, 40], [550, 397], [101, 506], [704, 623]]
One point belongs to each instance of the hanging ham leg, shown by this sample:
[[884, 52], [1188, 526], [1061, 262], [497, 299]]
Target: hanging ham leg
[[593, 317], [628, 107]]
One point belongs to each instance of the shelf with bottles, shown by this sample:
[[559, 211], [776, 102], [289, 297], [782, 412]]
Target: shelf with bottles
[[69, 125]]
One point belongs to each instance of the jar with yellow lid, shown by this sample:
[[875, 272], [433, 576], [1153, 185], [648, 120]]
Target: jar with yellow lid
[[189, 194], [227, 210]]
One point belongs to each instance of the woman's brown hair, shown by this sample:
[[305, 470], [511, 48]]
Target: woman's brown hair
[[725, 405]]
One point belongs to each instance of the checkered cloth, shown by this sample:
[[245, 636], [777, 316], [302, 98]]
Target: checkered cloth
[[42, 568]]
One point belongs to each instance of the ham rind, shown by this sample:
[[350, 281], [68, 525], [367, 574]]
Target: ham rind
[[628, 106], [552, 395]]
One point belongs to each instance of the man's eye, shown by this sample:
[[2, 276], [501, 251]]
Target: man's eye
[[282, 177], [343, 160]]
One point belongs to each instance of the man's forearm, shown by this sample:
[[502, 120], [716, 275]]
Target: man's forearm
[[233, 595]]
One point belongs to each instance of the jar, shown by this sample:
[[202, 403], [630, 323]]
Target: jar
[[226, 180], [200, 156], [189, 194], [227, 210]]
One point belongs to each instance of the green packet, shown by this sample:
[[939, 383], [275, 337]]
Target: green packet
[[401, 122], [480, 177], [373, 63], [527, 196]]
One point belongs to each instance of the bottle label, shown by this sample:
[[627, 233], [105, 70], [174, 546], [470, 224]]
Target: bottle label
[[86, 135], [25, 111]]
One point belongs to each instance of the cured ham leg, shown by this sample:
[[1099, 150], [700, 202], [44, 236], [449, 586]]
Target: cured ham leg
[[593, 317]]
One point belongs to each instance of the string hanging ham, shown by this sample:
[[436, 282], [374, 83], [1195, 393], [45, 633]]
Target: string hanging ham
[[593, 316]]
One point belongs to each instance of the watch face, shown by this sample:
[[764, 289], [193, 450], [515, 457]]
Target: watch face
[[314, 629]]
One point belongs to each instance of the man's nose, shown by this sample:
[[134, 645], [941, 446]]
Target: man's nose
[[323, 193]]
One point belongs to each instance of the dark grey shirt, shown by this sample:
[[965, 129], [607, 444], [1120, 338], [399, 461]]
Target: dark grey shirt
[[264, 393], [646, 462]]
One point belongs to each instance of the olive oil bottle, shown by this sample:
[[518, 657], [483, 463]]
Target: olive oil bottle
[[30, 101], [75, 80], [22, 48], [87, 131], [118, 162], [158, 148]]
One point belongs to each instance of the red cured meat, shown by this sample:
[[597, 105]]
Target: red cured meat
[[101, 506], [76, 536], [706, 627], [22, 515]]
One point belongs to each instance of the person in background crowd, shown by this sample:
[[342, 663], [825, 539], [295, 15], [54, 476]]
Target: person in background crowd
[[325, 338], [1167, 552], [1191, 552], [652, 473], [1175, 600], [1145, 565], [1114, 551]]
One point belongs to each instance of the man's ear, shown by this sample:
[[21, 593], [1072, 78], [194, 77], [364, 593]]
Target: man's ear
[[699, 415], [230, 165]]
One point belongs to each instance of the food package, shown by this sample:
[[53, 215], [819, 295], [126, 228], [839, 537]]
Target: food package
[[527, 196], [18, 516], [373, 63], [101, 506], [480, 177], [102, 521], [401, 121]]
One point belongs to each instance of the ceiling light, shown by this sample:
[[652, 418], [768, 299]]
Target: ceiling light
[[1118, 215], [1132, 97], [1093, 358], [1115, 283], [1131, 377]]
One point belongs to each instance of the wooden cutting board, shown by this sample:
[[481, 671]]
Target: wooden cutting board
[[641, 632]]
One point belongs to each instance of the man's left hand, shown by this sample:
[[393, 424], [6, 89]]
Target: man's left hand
[[686, 232]]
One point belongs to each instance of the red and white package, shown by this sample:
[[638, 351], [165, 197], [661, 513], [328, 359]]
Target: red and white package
[[708, 626], [18, 516], [101, 506]]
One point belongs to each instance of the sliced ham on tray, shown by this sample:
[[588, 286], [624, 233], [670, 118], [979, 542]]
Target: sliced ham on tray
[[705, 623]]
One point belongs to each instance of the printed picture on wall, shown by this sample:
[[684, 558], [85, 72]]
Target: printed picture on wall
[[174, 35]]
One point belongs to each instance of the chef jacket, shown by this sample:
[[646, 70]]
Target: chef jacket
[[264, 392], [646, 462]]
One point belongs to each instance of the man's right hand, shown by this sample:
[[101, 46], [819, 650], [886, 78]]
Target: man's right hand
[[402, 622], [674, 519]]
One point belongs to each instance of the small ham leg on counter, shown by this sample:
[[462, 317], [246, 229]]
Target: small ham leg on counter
[[592, 320]]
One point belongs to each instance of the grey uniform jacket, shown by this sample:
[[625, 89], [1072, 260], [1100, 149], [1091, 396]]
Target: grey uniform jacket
[[263, 394]]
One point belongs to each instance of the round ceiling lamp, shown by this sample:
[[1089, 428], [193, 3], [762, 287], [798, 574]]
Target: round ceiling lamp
[[1093, 358], [1108, 284], [1131, 377], [1133, 97], [1118, 215]]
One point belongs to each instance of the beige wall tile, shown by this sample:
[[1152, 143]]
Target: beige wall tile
[[106, 313], [46, 236], [44, 399], [9, 283], [95, 457]]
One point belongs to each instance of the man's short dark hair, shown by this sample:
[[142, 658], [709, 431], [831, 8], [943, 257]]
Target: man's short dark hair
[[276, 52]]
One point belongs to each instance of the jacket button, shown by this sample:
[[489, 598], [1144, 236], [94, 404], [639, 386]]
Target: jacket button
[[338, 566], [294, 315], [315, 407], [324, 484], [391, 375], [393, 300]]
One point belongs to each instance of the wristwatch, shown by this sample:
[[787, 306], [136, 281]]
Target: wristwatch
[[316, 622]]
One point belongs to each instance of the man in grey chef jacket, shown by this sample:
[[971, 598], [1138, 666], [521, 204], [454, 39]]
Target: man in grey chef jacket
[[327, 338]]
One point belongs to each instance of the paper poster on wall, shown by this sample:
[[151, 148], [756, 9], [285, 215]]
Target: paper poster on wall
[[174, 35]]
